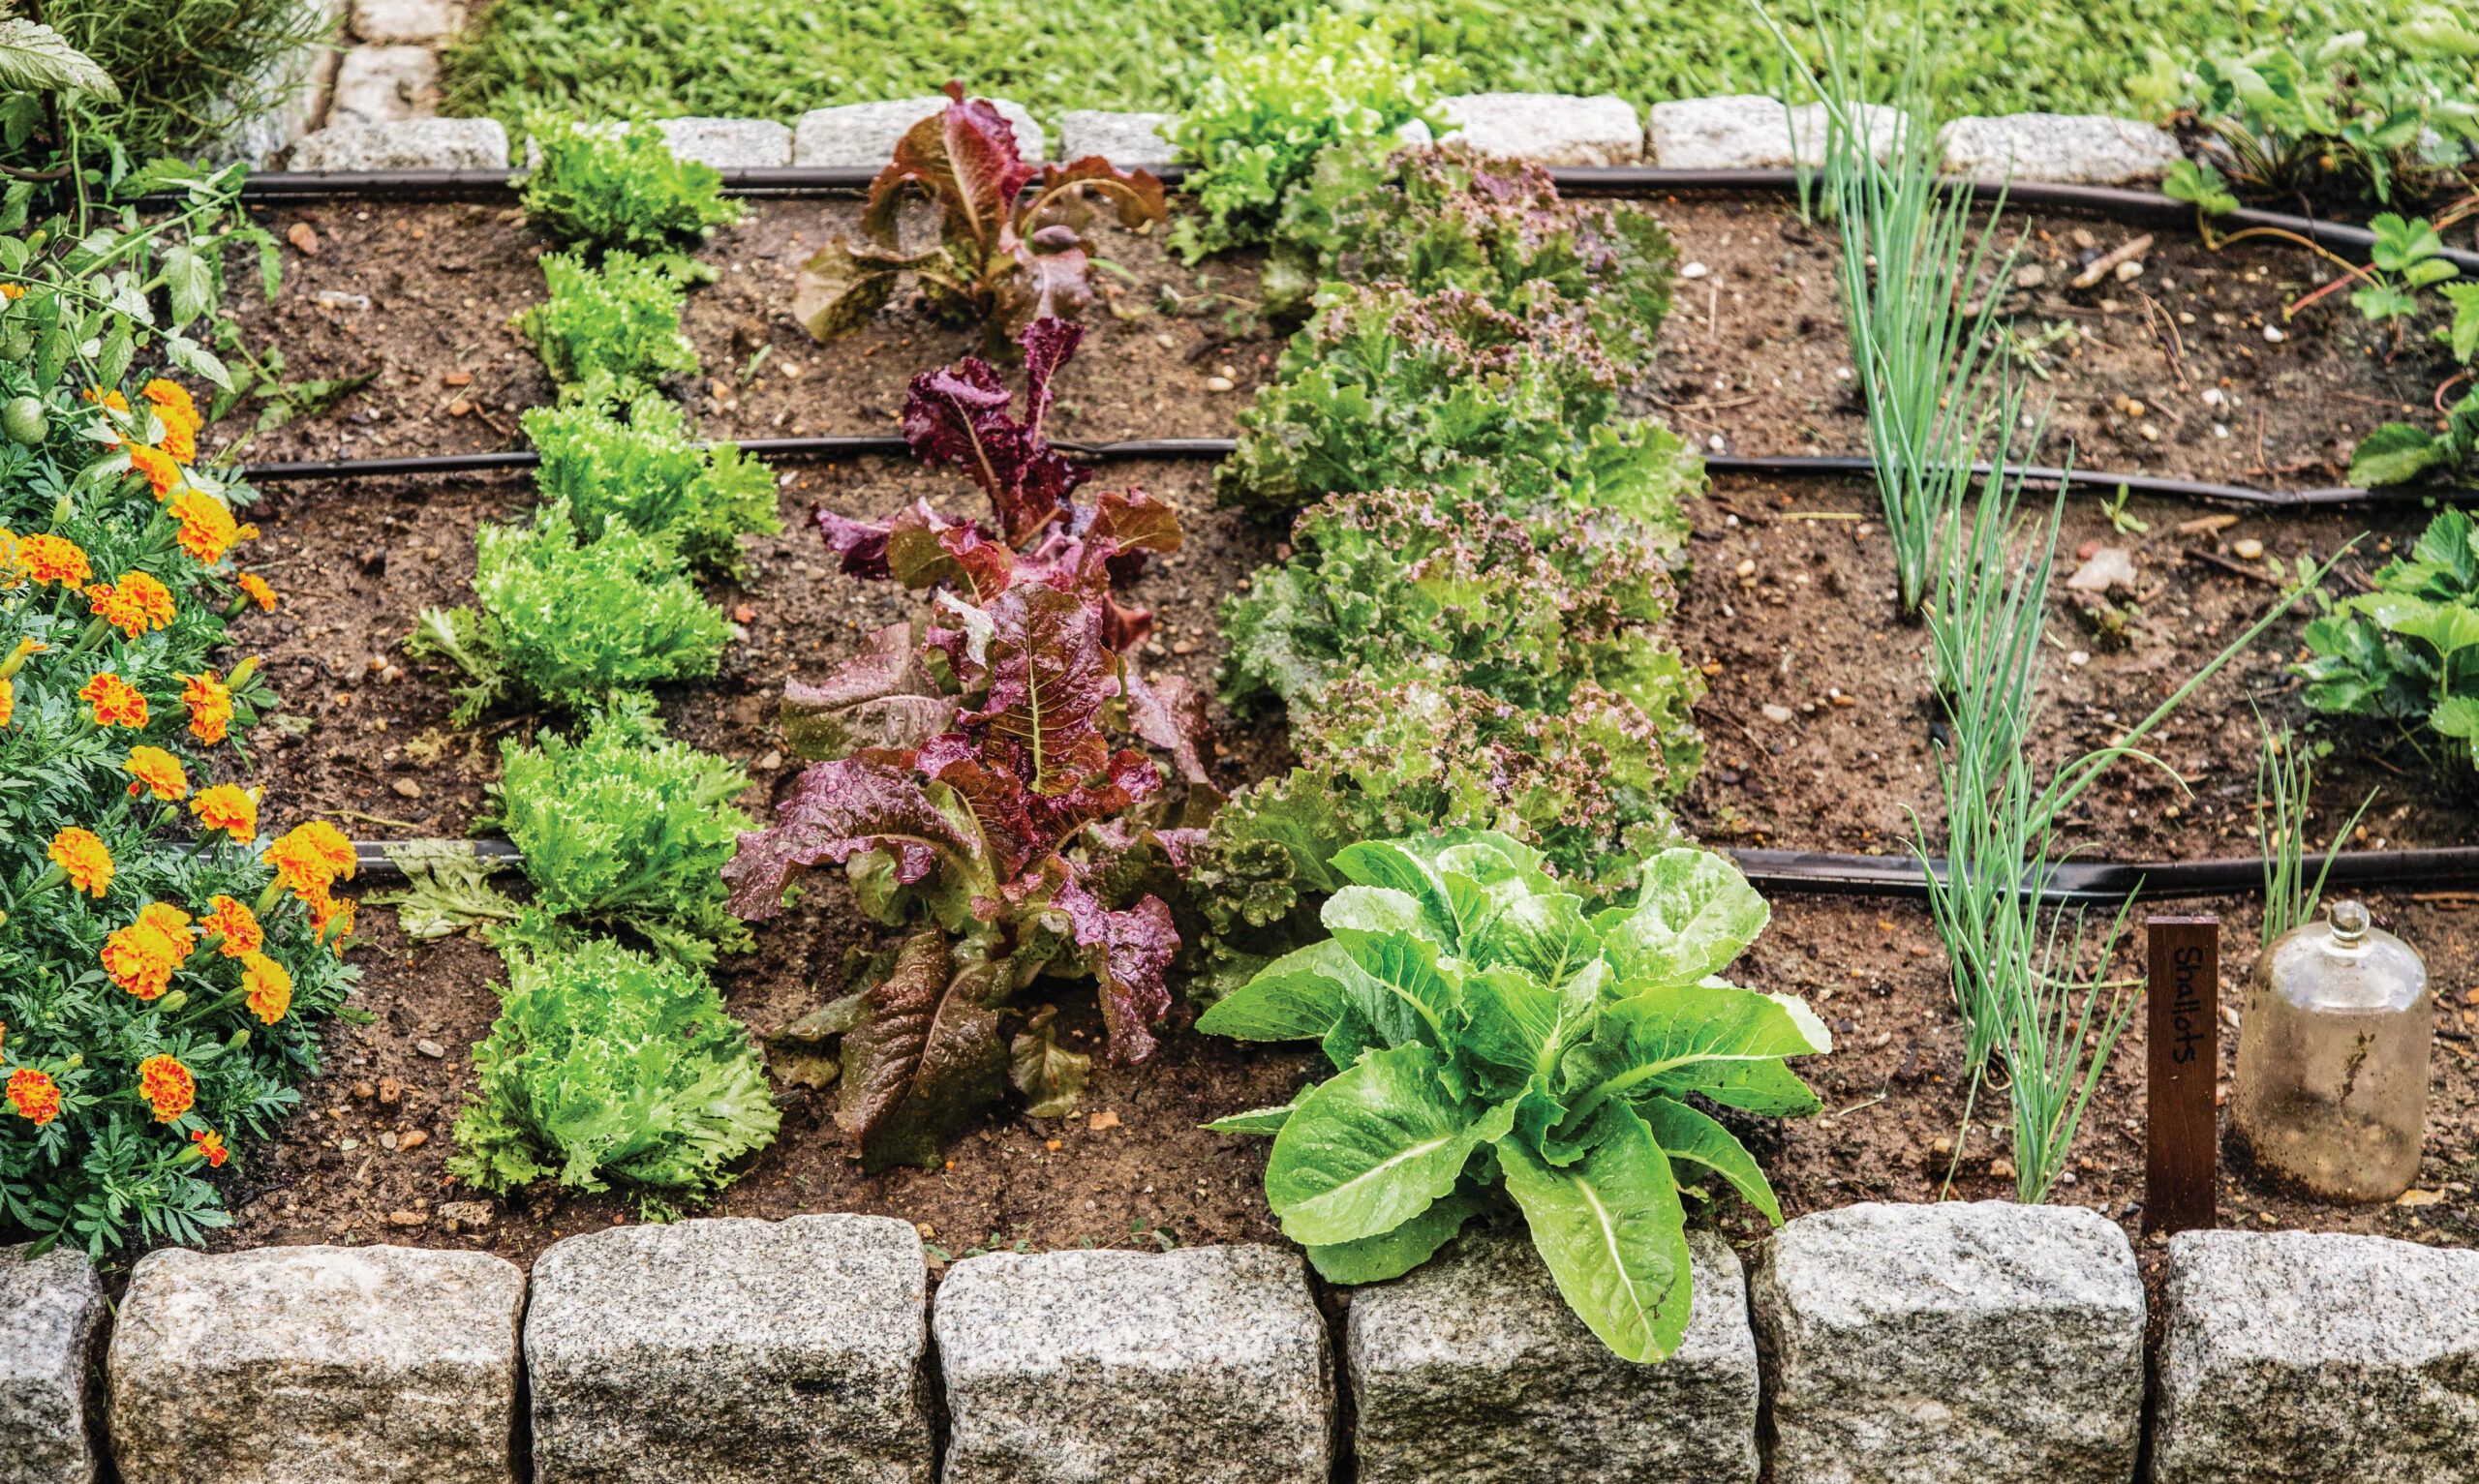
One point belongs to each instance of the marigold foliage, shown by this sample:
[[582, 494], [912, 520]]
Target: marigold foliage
[[618, 320], [608, 1067], [616, 456], [619, 186]]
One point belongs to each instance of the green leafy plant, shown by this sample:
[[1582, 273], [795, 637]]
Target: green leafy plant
[[1263, 112], [1446, 216], [2284, 788], [608, 1067], [2409, 255], [1386, 388], [1488, 1032], [574, 623], [1005, 257], [619, 186], [614, 454], [2408, 651], [618, 322]]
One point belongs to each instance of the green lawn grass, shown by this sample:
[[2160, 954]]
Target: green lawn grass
[[777, 58]]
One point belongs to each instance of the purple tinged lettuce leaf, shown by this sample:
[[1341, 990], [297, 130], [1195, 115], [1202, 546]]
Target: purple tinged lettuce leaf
[[835, 811], [860, 547], [926, 1053], [925, 549], [1049, 674], [1127, 950], [884, 699], [964, 157], [958, 416], [1167, 712]]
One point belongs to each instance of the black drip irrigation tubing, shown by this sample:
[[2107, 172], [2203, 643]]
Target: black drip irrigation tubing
[[2118, 204], [1824, 873], [1827, 466]]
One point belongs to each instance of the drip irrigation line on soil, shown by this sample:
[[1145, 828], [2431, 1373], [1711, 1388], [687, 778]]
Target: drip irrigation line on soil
[[1784, 467], [1824, 873], [2115, 203]]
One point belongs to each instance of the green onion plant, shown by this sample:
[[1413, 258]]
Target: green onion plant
[[2284, 785]]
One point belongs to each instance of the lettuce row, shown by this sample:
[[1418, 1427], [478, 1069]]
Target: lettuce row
[[1494, 1039]]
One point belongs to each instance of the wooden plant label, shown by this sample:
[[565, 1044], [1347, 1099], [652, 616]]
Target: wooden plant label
[[2182, 1157]]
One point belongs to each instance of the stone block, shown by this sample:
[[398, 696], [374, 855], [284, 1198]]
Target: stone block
[[2294, 1357], [385, 85], [2084, 149], [1750, 132], [730, 144], [864, 134], [731, 1351], [317, 1365], [1206, 1365], [1472, 1370], [1548, 128], [51, 1311], [407, 22], [1983, 1343], [414, 144], [1128, 141]]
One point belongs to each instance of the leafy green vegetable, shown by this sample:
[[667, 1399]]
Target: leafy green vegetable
[[1385, 388], [615, 454], [620, 320], [608, 185], [627, 828], [572, 622], [608, 1067], [2408, 651], [1484, 1028], [1446, 216], [1257, 122], [2399, 452]]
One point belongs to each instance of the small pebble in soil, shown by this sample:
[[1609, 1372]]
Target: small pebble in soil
[[2030, 276], [1218, 384], [2078, 658], [2128, 272], [408, 788], [1694, 271], [431, 1050], [2273, 333], [2247, 549], [1776, 713]]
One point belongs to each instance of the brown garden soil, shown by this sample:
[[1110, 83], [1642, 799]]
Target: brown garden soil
[[1786, 609]]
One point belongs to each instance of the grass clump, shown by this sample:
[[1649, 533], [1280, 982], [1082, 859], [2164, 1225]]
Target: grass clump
[[619, 321], [620, 187], [628, 457]]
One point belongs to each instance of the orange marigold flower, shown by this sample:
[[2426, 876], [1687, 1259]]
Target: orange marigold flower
[[51, 558], [210, 1145], [115, 704], [207, 530], [101, 398], [257, 591], [167, 1086], [171, 400], [267, 986], [136, 604], [210, 706], [229, 807], [154, 771], [162, 474], [326, 910], [141, 958], [180, 443], [82, 857], [35, 1096], [235, 924], [12, 290], [7, 700], [310, 858]]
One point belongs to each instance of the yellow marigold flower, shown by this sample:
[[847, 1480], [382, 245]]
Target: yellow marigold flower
[[209, 1145], [167, 1086], [247, 532], [51, 558], [34, 1095], [207, 530], [101, 398], [162, 474], [267, 987], [115, 704], [135, 604], [326, 910], [180, 444], [210, 706], [257, 589], [7, 700], [141, 958], [229, 807], [234, 926], [310, 858], [154, 771], [81, 855], [12, 290]]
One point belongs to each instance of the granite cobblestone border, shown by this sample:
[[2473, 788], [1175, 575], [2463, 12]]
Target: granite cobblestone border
[[1872, 1345]]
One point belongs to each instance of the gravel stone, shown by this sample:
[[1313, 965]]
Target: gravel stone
[[2295, 1357], [407, 22], [1206, 1365], [864, 134], [2088, 150], [50, 1309], [414, 144], [732, 1351], [1982, 1342], [1749, 132], [1548, 128], [730, 144], [1473, 1369], [1128, 141], [385, 84], [317, 1365]]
